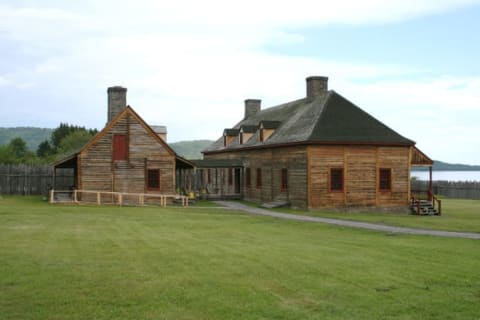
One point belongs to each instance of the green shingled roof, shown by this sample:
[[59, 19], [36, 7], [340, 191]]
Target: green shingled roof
[[231, 132], [270, 124], [328, 118], [249, 128], [342, 121]]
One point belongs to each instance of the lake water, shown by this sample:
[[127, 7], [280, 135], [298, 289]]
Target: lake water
[[448, 175]]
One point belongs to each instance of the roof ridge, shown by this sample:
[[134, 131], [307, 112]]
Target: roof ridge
[[371, 128], [374, 118], [320, 117]]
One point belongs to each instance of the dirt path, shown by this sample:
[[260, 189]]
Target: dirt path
[[351, 224]]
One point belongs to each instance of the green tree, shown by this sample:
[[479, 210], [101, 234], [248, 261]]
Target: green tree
[[44, 149], [63, 130], [6, 155], [74, 141], [19, 147], [16, 152]]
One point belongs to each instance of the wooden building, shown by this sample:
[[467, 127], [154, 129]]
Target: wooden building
[[127, 156], [316, 152]]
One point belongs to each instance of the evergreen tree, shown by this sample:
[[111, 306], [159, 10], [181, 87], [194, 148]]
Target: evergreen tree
[[18, 147], [16, 152], [44, 149], [63, 131], [74, 141]]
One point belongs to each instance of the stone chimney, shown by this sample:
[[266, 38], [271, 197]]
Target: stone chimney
[[316, 85], [117, 101], [252, 106]]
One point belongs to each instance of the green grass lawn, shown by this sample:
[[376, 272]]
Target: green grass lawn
[[457, 215], [80, 262]]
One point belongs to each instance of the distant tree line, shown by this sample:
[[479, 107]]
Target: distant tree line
[[64, 140]]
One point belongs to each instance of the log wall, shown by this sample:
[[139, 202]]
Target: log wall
[[361, 165], [309, 170], [97, 170], [271, 162]]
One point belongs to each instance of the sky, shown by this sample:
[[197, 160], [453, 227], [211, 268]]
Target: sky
[[190, 64]]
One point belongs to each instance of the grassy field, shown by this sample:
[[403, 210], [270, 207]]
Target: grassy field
[[78, 262], [457, 215]]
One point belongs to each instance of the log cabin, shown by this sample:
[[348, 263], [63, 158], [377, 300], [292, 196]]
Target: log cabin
[[321, 151], [127, 156]]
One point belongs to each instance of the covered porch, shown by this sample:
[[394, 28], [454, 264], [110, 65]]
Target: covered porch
[[220, 179], [66, 181], [422, 200]]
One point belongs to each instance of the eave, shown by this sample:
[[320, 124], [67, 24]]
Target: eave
[[308, 143]]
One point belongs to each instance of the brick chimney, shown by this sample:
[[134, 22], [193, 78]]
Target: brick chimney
[[316, 85], [252, 106], [117, 101]]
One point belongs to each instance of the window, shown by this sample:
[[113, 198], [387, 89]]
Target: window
[[153, 179], [385, 179], [248, 177], [209, 176], [261, 134], [120, 147], [240, 136], [284, 178], [336, 179], [259, 177], [224, 141], [230, 176]]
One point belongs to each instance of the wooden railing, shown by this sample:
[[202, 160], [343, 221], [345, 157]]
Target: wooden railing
[[439, 205], [116, 198], [416, 203]]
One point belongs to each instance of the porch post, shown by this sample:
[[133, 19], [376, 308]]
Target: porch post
[[430, 187], [54, 182]]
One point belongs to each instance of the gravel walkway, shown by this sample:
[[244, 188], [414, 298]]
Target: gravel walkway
[[351, 224]]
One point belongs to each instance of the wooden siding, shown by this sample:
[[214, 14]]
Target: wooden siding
[[361, 166], [271, 161], [398, 160], [321, 160], [98, 171]]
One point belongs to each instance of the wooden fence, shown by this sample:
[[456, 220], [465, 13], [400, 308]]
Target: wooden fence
[[32, 179], [115, 198], [451, 189], [38, 180]]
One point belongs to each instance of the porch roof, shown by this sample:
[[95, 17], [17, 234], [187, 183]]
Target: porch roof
[[221, 163], [420, 159], [67, 162]]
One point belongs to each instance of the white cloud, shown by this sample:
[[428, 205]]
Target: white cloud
[[441, 114], [297, 13], [190, 64], [3, 81]]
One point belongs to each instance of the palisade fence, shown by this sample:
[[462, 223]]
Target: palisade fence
[[450, 189], [32, 179], [38, 180]]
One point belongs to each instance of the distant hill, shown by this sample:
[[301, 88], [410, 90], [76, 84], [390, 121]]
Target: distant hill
[[190, 149], [444, 166], [32, 136]]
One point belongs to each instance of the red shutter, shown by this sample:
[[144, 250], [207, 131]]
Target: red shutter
[[385, 180], [153, 179], [120, 147], [336, 179]]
